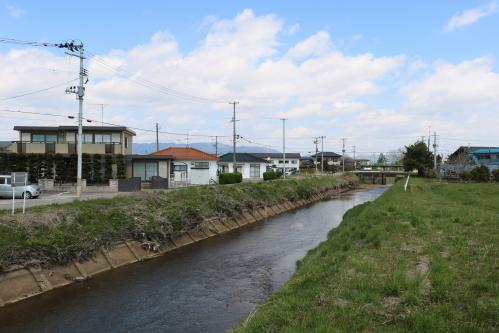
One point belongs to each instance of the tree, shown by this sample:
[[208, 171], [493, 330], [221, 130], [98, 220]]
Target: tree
[[49, 170], [86, 167], [60, 168], [417, 156], [382, 160], [395, 156], [480, 174], [120, 167], [97, 169], [72, 167], [108, 167]]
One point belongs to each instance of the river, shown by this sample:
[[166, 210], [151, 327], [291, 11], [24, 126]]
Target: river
[[206, 287]]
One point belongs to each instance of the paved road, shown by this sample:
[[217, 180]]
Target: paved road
[[47, 198]]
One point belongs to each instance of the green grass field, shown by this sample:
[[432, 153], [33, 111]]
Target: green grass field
[[57, 233], [421, 261]]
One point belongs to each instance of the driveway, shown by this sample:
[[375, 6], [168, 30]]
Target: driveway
[[47, 198]]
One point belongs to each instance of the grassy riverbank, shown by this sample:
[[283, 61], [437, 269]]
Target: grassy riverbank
[[57, 233], [421, 261]]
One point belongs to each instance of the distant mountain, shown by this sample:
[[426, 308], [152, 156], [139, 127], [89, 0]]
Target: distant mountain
[[209, 147]]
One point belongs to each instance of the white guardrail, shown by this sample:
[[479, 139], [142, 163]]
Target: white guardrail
[[406, 182]]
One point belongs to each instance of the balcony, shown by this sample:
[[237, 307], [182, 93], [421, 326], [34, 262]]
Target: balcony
[[65, 148]]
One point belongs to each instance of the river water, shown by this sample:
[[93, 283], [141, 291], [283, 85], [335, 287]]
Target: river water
[[206, 287]]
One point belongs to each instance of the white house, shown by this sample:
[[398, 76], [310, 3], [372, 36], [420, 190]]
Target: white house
[[191, 165], [275, 160], [249, 165]]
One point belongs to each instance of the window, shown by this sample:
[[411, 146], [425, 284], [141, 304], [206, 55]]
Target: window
[[293, 161], [239, 168], [38, 138], [126, 142], [254, 170], [145, 170], [280, 161], [88, 138], [51, 138], [180, 168], [201, 165], [102, 138], [2, 180], [484, 157]]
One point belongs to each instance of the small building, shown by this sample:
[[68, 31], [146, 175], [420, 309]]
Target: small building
[[306, 161], [62, 140], [191, 165], [275, 161], [249, 165], [465, 158], [330, 157], [147, 166]]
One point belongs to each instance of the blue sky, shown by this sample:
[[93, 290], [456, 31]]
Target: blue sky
[[412, 47]]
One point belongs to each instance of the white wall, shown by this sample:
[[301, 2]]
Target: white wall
[[212, 171], [289, 163], [246, 169]]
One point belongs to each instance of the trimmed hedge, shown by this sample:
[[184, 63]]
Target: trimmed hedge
[[495, 175], [480, 174], [269, 175], [230, 178]]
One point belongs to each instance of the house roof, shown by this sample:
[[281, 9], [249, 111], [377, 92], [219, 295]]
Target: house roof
[[276, 155], [137, 157], [241, 158], [186, 153], [74, 128], [327, 154], [471, 149], [492, 150]]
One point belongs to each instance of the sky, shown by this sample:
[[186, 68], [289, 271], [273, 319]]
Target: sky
[[379, 74]]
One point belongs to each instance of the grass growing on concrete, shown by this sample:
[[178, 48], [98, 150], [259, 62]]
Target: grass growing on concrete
[[57, 233], [421, 261]]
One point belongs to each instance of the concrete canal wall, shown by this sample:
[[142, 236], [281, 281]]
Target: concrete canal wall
[[23, 282]]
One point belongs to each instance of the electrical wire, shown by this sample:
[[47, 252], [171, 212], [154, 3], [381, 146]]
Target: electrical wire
[[153, 85], [39, 91]]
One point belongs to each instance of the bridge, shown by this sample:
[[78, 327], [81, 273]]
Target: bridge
[[379, 177]]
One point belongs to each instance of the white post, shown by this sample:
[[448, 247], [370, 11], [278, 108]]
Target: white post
[[12, 178], [24, 192]]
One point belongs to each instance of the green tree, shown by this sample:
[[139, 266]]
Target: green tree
[[60, 168], [34, 167], [86, 167], [71, 168], [49, 170], [21, 162], [97, 169], [120, 167], [108, 167], [382, 160], [417, 156]]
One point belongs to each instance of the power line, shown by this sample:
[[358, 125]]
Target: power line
[[39, 91], [153, 85]]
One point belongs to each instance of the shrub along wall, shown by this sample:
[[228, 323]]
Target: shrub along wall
[[230, 178], [62, 169], [58, 233], [269, 175]]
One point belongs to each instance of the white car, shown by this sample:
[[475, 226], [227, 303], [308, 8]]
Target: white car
[[31, 190]]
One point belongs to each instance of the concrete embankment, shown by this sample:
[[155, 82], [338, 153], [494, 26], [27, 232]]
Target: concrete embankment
[[18, 283]]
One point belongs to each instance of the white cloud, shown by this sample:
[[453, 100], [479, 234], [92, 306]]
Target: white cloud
[[15, 11], [470, 16]]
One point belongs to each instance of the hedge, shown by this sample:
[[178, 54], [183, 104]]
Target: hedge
[[230, 178], [269, 175]]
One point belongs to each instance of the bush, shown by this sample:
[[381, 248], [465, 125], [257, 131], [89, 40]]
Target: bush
[[480, 174], [431, 173], [230, 178], [495, 175], [269, 175], [465, 175]]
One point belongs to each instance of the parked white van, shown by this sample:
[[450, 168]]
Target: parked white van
[[31, 190]]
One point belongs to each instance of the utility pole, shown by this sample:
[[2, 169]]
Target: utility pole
[[234, 136], [157, 137], [322, 153], [283, 147], [216, 146], [80, 92], [316, 141], [435, 151], [343, 153], [354, 160], [429, 137]]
